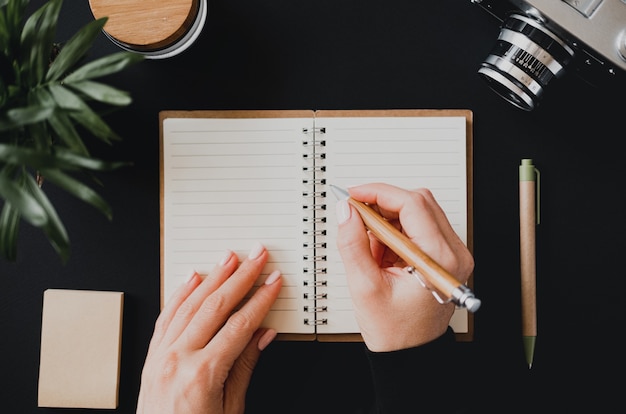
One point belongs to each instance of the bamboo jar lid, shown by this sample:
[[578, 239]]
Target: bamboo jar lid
[[155, 28]]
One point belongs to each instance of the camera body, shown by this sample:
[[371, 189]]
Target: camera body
[[539, 39]]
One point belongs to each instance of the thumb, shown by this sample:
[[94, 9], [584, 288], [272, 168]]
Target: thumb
[[240, 374], [354, 247]]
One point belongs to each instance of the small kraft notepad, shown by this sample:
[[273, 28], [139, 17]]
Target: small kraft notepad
[[80, 349], [230, 178]]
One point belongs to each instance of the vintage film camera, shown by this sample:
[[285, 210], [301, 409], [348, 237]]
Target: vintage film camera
[[539, 39]]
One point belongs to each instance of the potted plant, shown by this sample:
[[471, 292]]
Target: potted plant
[[48, 98]]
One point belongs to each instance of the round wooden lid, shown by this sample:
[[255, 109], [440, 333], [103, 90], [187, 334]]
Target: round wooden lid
[[146, 24]]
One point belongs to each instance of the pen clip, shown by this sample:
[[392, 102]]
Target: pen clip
[[411, 270], [538, 192]]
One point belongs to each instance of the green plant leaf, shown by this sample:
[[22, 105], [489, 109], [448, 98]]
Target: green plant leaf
[[102, 93], [11, 16], [22, 201], [18, 117], [60, 122], [53, 228], [45, 97], [67, 133], [37, 39], [94, 123], [79, 190], [104, 66], [82, 113], [59, 158], [65, 98], [9, 229], [5, 32], [75, 49], [38, 136]]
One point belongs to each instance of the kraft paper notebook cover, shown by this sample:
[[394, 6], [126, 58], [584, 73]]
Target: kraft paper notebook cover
[[81, 335], [231, 178]]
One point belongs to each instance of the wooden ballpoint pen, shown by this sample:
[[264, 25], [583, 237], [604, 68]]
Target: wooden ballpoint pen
[[437, 278], [527, 221]]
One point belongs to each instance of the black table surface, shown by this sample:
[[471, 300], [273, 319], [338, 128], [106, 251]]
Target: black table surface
[[350, 54]]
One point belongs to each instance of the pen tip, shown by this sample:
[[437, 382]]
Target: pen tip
[[529, 348], [339, 193]]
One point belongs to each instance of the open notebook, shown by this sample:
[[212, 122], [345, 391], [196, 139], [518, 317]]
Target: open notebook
[[231, 178]]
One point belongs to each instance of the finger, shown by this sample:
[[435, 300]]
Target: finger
[[423, 221], [180, 316], [216, 308], [428, 227], [416, 206], [353, 243], [170, 309], [239, 377], [380, 196], [237, 332]]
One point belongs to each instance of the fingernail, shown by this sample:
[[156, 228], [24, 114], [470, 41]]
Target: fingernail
[[193, 276], [256, 251], [266, 339], [273, 277], [226, 257], [342, 209]]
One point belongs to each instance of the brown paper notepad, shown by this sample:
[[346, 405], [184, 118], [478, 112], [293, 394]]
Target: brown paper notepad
[[80, 349]]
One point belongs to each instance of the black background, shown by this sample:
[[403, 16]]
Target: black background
[[361, 54]]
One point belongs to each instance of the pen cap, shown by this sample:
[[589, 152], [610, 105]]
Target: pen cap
[[530, 174], [155, 29], [527, 171]]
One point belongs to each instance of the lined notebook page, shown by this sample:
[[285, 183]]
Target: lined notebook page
[[228, 183], [409, 152]]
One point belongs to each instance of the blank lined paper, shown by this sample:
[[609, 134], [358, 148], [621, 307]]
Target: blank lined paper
[[228, 184], [408, 152]]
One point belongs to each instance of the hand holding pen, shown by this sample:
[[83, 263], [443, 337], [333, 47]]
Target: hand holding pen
[[392, 308]]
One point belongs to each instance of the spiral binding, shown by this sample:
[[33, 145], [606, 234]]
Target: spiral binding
[[314, 232], [315, 309], [314, 207], [314, 168], [315, 283], [314, 270], [313, 219], [314, 195], [322, 321], [319, 245]]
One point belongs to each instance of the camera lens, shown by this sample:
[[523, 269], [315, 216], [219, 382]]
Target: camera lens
[[526, 57]]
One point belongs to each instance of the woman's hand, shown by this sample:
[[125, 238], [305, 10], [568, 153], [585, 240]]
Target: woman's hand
[[393, 310], [202, 354]]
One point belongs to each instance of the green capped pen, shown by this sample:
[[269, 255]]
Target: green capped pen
[[529, 218]]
